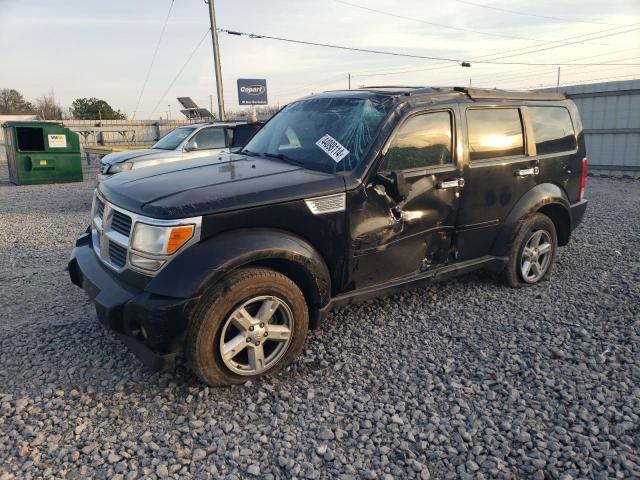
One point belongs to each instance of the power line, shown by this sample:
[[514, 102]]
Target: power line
[[496, 55], [409, 55], [547, 17], [153, 59], [450, 27], [184, 65]]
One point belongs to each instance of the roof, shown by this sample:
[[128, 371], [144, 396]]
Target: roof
[[215, 124], [472, 93]]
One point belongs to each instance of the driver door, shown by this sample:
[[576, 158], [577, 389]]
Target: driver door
[[394, 238]]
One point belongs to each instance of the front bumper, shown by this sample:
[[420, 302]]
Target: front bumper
[[577, 213], [152, 326]]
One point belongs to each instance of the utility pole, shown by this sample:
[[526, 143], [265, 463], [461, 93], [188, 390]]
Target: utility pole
[[216, 59], [349, 81], [558, 81]]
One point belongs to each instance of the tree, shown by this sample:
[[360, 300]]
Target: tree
[[13, 103], [47, 107], [94, 109]]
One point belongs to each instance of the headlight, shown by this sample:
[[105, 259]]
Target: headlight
[[160, 240], [120, 167]]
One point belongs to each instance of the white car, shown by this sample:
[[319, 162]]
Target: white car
[[183, 143]]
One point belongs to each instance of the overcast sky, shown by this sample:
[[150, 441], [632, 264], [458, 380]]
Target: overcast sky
[[104, 48]]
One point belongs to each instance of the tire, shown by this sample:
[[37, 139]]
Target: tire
[[543, 255], [230, 313]]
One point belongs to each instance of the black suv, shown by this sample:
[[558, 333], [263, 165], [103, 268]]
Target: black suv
[[340, 197]]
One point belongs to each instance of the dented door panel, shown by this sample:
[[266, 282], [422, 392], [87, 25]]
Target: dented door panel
[[391, 239]]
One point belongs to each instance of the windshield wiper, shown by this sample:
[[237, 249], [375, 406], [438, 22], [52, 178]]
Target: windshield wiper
[[281, 156]]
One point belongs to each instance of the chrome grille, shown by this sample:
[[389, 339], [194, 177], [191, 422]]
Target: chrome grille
[[112, 227], [117, 254], [121, 223], [99, 208]]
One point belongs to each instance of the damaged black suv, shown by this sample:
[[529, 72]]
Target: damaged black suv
[[340, 197]]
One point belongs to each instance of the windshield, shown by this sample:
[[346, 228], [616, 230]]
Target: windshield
[[172, 139], [328, 134]]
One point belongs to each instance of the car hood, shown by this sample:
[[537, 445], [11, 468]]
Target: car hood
[[215, 184], [132, 155]]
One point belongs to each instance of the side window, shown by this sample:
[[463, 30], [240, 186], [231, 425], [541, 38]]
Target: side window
[[422, 141], [210, 138], [553, 129], [243, 133], [494, 133]]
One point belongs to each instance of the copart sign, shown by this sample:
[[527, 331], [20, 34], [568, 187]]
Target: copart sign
[[252, 91]]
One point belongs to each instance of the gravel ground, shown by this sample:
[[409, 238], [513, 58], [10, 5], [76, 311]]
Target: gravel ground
[[465, 379]]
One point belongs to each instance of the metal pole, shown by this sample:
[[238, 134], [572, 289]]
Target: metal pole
[[558, 82], [349, 81], [216, 59]]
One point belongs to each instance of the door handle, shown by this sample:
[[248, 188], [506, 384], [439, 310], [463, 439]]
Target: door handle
[[525, 172], [456, 182]]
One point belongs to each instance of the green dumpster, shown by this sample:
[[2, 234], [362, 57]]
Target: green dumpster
[[42, 152]]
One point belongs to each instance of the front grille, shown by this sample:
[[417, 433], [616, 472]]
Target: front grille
[[99, 208], [121, 223], [117, 254]]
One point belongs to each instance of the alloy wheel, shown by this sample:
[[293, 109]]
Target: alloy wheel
[[536, 256], [256, 335]]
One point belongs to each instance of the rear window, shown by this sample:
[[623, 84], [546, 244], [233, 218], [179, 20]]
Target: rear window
[[553, 129], [494, 133]]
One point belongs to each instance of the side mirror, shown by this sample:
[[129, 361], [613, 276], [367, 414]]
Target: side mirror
[[395, 184], [191, 146]]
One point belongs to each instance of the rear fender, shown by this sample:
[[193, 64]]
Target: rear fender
[[202, 265], [540, 197]]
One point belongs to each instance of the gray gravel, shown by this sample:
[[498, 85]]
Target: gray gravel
[[465, 379]]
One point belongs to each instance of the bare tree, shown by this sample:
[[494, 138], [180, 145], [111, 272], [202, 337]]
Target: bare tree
[[48, 108], [13, 103]]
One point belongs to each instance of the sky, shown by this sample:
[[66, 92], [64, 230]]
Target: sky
[[103, 49]]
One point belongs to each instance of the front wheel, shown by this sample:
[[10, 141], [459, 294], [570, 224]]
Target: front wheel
[[533, 252], [253, 323]]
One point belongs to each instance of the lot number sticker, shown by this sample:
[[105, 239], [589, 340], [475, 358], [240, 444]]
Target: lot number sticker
[[332, 147], [57, 141]]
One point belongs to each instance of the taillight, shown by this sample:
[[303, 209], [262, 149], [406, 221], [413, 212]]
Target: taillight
[[583, 179]]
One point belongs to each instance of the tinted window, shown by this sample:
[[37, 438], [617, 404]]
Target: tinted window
[[210, 138], [494, 133], [243, 133], [422, 141], [553, 129]]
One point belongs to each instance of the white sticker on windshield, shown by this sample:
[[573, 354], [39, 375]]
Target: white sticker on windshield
[[332, 147]]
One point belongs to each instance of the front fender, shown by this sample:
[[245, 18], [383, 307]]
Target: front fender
[[532, 201], [203, 264]]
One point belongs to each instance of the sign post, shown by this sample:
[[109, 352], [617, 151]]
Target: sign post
[[252, 91]]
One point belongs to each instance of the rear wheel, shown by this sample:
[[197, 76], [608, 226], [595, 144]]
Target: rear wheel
[[252, 323], [533, 252]]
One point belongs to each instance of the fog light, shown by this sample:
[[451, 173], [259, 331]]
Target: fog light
[[144, 263]]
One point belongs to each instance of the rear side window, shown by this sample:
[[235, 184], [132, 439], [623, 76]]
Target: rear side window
[[494, 133], [553, 129], [422, 141], [243, 133]]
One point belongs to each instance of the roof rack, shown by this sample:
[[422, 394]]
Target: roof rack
[[482, 94]]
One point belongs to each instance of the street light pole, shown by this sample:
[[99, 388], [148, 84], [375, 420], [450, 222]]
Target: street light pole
[[216, 59]]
